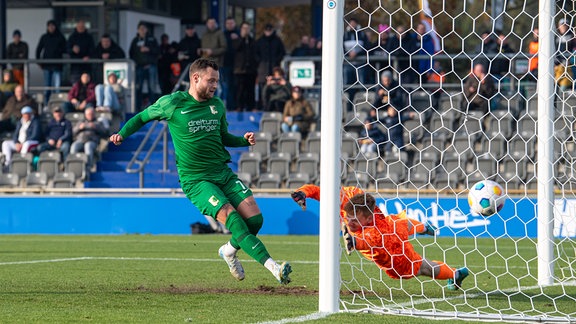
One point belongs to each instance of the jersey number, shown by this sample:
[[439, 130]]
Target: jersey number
[[244, 189]]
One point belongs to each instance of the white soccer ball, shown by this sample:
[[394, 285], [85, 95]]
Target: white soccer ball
[[486, 197]]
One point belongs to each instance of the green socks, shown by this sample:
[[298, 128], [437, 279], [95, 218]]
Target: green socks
[[254, 224], [242, 236]]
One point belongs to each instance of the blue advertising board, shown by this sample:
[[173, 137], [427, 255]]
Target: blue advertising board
[[175, 214]]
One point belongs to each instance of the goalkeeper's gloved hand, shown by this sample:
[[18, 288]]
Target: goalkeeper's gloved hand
[[349, 243], [300, 198]]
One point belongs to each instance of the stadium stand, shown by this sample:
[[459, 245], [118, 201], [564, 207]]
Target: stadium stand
[[36, 179], [9, 180], [64, 180]]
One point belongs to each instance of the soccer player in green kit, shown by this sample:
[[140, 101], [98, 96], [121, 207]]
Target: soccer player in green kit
[[197, 122]]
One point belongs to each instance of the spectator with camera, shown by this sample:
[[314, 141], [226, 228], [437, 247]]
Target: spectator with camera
[[277, 91], [298, 113]]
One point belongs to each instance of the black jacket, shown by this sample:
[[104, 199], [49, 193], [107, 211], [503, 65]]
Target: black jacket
[[270, 51], [33, 133], [142, 59], [189, 47], [51, 46], [245, 57]]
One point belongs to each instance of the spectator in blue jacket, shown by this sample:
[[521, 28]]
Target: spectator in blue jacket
[[58, 134], [27, 135], [393, 120], [372, 136]]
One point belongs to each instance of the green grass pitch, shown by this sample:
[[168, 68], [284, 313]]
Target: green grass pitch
[[179, 279]]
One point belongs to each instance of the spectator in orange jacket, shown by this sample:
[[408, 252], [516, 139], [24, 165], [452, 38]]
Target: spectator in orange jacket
[[384, 239]]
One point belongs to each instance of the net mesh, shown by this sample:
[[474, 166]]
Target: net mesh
[[438, 98]]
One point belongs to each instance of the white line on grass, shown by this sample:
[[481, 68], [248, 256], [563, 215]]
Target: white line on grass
[[299, 319], [86, 258]]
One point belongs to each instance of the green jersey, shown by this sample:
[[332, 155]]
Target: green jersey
[[199, 131]]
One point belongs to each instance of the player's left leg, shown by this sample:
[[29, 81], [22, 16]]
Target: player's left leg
[[440, 270]]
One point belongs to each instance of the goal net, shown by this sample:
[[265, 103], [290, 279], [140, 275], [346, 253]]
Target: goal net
[[461, 93]]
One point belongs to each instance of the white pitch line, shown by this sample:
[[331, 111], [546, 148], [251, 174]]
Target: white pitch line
[[299, 319], [86, 258]]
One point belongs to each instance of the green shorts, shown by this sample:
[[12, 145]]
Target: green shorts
[[210, 195]]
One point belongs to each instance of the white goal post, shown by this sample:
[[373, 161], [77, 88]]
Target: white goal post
[[536, 276]]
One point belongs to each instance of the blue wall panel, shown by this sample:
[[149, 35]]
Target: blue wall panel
[[173, 215]]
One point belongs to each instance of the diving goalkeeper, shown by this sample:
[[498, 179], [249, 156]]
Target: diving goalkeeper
[[197, 122], [384, 239]]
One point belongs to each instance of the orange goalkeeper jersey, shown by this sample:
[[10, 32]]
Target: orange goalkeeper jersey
[[386, 243]]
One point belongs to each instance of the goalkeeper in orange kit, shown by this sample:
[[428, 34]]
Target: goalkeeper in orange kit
[[384, 239]]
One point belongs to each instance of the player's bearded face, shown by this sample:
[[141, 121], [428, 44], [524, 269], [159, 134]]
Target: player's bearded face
[[206, 83]]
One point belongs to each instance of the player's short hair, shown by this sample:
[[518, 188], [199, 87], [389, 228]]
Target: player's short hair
[[363, 202], [202, 64]]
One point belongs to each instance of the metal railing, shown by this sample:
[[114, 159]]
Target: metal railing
[[31, 73], [141, 163]]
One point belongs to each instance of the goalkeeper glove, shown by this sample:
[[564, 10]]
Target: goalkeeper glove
[[348, 239], [300, 198]]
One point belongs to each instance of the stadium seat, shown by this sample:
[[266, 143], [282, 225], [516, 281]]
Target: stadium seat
[[527, 126], [418, 177], [442, 180], [308, 163], [9, 180], [500, 123], [297, 180], [313, 142], [36, 179], [263, 144], [494, 147], [519, 147], [64, 180], [290, 143], [367, 163], [49, 163], [350, 144], [76, 163], [269, 181], [270, 123], [249, 162], [279, 163], [358, 179], [245, 177], [20, 165]]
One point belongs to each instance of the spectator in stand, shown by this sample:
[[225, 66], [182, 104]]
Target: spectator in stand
[[304, 48], [390, 92], [27, 135], [564, 42], [189, 47], [228, 82], [245, 68], [425, 46], [277, 91], [80, 46], [107, 49], [7, 87], [58, 134], [11, 112], [486, 50], [270, 52], [17, 50], [144, 51], [87, 135], [533, 55], [52, 45], [394, 119], [298, 114], [384, 47], [110, 97], [168, 55], [82, 95], [562, 75], [314, 47], [354, 41], [500, 67], [406, 47], [478, 90], [213, 47], [371, 137]]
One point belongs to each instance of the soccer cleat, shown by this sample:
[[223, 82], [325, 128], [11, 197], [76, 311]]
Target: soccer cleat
[[282, 273], [233, 263], [455, 284], [430, 230]]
